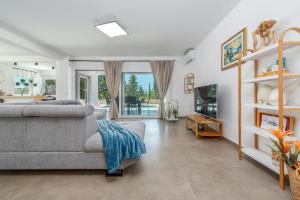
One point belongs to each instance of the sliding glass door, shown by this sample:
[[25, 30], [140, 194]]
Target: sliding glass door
[[103, 96], [139, 95], [91, 88]]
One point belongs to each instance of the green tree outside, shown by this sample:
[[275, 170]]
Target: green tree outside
[[102, 89], [132, 87]]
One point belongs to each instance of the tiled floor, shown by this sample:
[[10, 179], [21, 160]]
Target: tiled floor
[[176, 166]]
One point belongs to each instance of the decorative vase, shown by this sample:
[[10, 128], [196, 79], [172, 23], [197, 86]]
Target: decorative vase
[[294, 183], [273, 99]]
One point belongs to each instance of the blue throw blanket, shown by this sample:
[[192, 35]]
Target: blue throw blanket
[[119, 144]]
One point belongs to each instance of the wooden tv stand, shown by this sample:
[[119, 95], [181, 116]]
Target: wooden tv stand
[[193, 122]]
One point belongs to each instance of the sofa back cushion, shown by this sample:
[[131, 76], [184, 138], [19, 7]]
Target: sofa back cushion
[[45, 128], [20, 103], [49, 134], [11, 133], [59, 102], [52, 102], [9, 111], [58, 111]]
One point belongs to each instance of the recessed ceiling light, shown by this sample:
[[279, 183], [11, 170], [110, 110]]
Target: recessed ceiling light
[[112, 29]]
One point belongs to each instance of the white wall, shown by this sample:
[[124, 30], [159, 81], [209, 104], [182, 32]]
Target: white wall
[[207, 67], [8, 86], [63, 79], [176, 88]]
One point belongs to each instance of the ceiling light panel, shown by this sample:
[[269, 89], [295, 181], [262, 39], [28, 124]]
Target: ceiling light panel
[[112, 29]]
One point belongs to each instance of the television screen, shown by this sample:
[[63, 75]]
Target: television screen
[[205, 101]]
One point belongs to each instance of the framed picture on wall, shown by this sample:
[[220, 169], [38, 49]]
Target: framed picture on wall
[[271, 121], [231, 49]]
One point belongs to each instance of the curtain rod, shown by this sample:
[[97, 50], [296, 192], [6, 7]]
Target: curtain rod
[[115, 60]]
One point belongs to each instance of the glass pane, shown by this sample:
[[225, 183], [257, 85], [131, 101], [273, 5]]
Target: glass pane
[[83, 90], [103, 96], [140, 95], [50, 87], [21, 86], [91, 88]]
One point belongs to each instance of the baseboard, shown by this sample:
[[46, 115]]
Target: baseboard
[[230, 141]]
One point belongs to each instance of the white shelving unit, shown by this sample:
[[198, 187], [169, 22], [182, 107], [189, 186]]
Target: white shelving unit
[[254, 152], [262, 132], [270, 107], [271, 78], [259, 131], [269, 50], [262, 158]]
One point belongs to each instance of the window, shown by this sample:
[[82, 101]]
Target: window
[[91, 88], [83, 90], [139, 95], [22, 85], [103, 96], [50, 87]]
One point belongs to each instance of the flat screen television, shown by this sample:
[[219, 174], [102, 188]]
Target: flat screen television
[[205, 101]]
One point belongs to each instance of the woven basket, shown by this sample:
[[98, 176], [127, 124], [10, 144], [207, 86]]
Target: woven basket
[[294, 183]]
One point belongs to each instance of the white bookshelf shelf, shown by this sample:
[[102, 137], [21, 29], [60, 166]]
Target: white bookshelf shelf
[[270, 78], [263, 158], [268, 51], [264, 133], [270, 107], [258, 131]]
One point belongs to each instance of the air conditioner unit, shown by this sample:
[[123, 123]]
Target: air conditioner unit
[[189, 56]]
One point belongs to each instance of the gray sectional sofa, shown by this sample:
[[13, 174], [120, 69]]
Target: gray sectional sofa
[[63, 136]]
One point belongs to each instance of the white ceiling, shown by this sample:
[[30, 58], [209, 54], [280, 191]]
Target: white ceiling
[[7, 48], [156, 27]]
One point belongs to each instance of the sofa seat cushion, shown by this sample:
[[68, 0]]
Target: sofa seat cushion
[[94, 142]]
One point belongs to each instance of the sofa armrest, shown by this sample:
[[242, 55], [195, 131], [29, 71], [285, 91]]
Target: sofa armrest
[[100, 114]]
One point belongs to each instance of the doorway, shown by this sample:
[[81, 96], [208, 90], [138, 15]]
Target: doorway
[[83, 90]]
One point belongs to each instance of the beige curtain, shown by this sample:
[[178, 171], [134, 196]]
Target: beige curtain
[[113, 74], [162, 71]]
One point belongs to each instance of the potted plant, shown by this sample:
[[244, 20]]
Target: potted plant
[[289, 151], [23, 80], [275, 156], [35, 84], [18, 83]]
